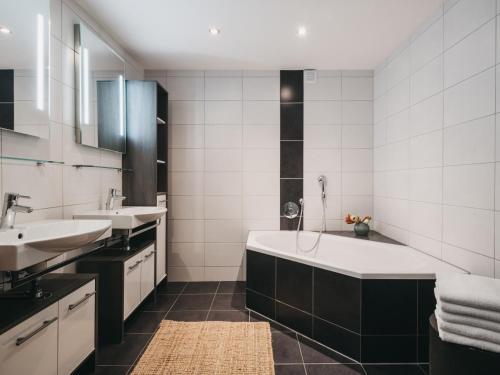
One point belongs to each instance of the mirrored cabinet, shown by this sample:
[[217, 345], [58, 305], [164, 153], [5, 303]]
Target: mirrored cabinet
[[24, 67]]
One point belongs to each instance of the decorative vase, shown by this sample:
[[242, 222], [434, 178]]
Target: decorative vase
[[361, 229]]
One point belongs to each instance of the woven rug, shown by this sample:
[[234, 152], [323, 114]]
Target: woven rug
[[208, 348]]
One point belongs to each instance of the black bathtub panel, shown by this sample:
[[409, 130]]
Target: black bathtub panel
[[426, 304], [337, 298], [294, 284], [297, 320], [261, 273], [337, 338], [389, 349], [261, 304], [389, 307]]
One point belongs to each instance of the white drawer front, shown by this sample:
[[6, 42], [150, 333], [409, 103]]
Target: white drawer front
[[132, 284], [148, 271], [36, 349], [76, 328]]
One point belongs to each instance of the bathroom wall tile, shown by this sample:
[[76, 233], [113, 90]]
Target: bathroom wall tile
[[223, 183], [357, 88], [398, 126], [55, 18], [261, 183], [470, 185], [460, 106], [223, 207], [291, 121], [186, 273], [224, 254], [427, 81], [267, 136], [186, 112], [333, 182], [469, 261], [358, 136], [396, 184], [291, 86], [497, 269], [471, 142], [470, 229], [291, 190], [325, 88], [81, 185], [322, 160], [228, 160], [261, 88], [313, 207], [183, 207], [223, 73], [222, 88], [420, 187], [185, 88], [223, 231], [380, 108], [185, 183], [186, 136], [68, 66], [379, 134], [322, 136], [223, 136], [398, 68], [223, 112], [425, 244], [186, 160], [261, 112], [359, 204], [359, 112], [224, 273], [398, 98], [186, 231], [291, 159], [357, 183], [428, 45], [186, 254], [322, 112], [425, 219], [360, 160], [473, 54], [465, 17], [261, 207], [426, 150], [427, 115]]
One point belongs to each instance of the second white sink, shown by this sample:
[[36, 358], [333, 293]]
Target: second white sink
[[125, 217]]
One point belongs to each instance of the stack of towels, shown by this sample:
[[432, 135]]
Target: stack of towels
[[468, 311]]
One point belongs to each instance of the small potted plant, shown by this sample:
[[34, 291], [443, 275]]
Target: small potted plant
[[361, 227]]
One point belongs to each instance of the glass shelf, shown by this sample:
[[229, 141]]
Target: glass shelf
[[78, 166], [36, 161], [161, 162], [160, 121]]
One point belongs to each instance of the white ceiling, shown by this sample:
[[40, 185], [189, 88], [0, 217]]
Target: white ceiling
[[260, 34]]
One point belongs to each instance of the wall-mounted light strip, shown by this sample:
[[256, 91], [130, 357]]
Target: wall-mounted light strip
[[40, 58], [85, 83], [121, 105]]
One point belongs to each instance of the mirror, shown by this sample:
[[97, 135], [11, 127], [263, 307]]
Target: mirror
[[24, 66], [100, 99]]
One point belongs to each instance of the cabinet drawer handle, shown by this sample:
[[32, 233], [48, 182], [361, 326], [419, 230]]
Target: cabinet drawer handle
[[76, 304], [148, 255], [46, 323], [135, 265]]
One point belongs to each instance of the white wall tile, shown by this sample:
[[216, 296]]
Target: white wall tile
[[186, 112], [261, 88], [398, 126], [223, 183], [185, 88], [223, 231], [427, 81], [182, 207], [228, 112], [398, 68], [469, 261], [427, 115], [357, 112], [261, 112], [425, 219], [357, 136], [223, 207], [322, 112], [428, 45], [223, 136], [261, 160], [261, 183], [471, 142], [426, 184], [470, 185], [357, 88], [426, 150], [186, 136], [222, 88], [229, 160], [322, 136], [322, 160], [185, 160], [186, 231], [473, 54], [224, 254], [325, 88], [261, 136], [398, 98], [425, 244], [261, 207], [357, 160], [185, 183], [186, 254]]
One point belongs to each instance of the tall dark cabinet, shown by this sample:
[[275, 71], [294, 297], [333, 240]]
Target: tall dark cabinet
[[145, 161], [146, 154]]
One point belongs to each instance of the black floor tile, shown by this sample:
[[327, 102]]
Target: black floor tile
[[228, 316], [201, 287], [393, 370], [285, 347], [163, 302], [313, 352], [231, 287], [187, 316], [171, 288], [144, 321], [289, 370], [193, 302], [334, 369], [111, 370], [229, 302], [123, 354], [254, 317]]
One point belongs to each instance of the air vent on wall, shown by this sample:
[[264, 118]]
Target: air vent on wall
[[310, 75]]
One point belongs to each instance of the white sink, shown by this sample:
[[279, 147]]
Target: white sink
[[28, 244], [125, 217]]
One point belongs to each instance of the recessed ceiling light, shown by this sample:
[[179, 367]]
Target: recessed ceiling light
[[302, 31], [5, 30], [214, 31]]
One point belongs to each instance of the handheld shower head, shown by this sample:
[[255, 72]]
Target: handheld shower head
[[322, 183]]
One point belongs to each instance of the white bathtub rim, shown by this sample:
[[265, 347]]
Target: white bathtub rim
[[254, 245]]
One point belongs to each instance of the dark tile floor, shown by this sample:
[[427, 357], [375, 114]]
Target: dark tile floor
[[225, 301]]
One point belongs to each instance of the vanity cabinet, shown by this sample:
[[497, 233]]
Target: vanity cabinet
[[55, 340], [161, 243], [126, 278]]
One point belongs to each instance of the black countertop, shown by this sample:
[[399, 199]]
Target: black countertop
[[15, 311], [117, 253], [372, 236]]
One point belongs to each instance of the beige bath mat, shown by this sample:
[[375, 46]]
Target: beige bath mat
[[208, 348]]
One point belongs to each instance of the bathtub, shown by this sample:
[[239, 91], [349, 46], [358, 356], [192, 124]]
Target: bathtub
[[370, 301]]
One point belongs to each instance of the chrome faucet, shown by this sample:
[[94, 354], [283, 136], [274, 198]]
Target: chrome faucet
[[112, 196], [10, 208]]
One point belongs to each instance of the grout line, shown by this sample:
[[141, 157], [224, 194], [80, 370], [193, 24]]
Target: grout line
[[212, 303], [300, 351]]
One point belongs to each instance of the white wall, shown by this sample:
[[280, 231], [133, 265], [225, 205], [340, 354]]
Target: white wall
[[338, 140], [224, 160], [436, 145]]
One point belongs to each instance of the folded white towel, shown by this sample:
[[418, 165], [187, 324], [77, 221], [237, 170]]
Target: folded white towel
[[467, 320], [470, 290], [453, 308], [467, 341]]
